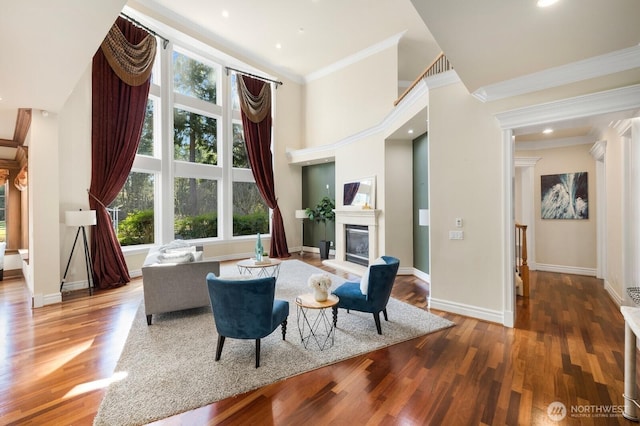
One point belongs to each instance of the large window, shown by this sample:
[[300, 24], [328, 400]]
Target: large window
[[191, 178]]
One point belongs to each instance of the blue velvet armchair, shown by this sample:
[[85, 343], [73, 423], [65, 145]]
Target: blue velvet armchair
[[381, 279], [246, 309]]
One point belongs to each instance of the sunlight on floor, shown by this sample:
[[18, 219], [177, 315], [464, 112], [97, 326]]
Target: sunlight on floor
[[96, 384], [60, 360]]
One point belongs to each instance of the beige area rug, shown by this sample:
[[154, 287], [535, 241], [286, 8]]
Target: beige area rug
[[169, 367]]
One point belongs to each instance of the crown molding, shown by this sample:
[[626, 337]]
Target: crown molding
[[356, 57], [525, 161], [553, 143], [621, 99], [598, 66]]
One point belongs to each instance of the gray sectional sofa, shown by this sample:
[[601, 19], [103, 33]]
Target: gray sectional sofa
[[172, 281]]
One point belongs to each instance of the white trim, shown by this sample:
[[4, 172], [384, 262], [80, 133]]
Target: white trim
[[422, 276], [621, 99], [598, 66], [526, 161], [564, 269], [508, 232], [468, 310], [356, 57], [553, 143], [598, 152], [614, 296]]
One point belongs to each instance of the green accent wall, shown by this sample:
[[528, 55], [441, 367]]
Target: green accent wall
[[420, 201], [315, 179]]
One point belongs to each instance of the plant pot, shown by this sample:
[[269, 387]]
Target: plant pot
[[324, 249]]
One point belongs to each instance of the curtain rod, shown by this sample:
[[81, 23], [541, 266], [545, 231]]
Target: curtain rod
[[164, 40], [277, 83]]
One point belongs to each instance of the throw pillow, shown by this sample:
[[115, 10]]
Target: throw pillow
[[176, 257], [364, 281]]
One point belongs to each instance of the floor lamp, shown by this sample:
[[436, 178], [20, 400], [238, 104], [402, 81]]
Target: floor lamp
[[302, 215], [80, 218]]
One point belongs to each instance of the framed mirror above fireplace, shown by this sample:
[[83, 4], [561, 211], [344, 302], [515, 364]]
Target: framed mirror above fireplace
[[360, 193]]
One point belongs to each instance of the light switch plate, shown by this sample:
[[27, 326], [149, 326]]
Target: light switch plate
[[456, 235]]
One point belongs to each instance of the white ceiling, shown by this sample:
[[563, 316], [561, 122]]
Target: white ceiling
[[47, 44]]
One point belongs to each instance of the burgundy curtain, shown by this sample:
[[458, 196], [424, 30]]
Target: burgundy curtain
[[118, 111], [350, 191], [255, 104]]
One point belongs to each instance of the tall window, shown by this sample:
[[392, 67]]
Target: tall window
[[191, 178]]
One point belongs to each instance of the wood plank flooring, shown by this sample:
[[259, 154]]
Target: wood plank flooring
[[567, 346]]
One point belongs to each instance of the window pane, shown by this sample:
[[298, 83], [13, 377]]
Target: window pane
[[146, 140], [195, 137], [195, 208], [235, 99], [240, 158], [193, 78], [132, 210], [250, 212]]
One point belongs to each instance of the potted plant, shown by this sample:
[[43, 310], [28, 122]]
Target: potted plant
[[323, 213]]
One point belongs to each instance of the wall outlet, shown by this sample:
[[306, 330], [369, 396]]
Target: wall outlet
[[456, 235]]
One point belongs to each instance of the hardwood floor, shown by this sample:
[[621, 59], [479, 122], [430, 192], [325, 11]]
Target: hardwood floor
[[567, 346]]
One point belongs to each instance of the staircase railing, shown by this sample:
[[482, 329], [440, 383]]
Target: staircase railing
[[439, 65], [522, 268]]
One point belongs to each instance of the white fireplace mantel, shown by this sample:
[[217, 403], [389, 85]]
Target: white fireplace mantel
[[362, 217]]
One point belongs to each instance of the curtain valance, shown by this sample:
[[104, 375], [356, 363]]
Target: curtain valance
[[256, 107], [132, 63]]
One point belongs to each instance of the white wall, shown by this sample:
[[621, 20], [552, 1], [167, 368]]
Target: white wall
[[351, 99], [465, 182], [44, 219]]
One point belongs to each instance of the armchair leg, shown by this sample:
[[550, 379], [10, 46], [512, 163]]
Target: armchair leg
[[335, 316], [219, 347], [376, 318], [257, 353], [284, 329], [148, 319], [384, 312]]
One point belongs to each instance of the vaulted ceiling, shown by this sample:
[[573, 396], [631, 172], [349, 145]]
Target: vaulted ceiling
[[47, 45]]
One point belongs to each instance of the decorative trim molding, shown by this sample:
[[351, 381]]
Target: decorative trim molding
[[526, 161], [598, 66], [562, 269], [621, 99], [356, 57], [598, 150], [553, 143], [467, 310]]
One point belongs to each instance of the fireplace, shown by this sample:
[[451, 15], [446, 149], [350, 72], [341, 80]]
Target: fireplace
[[357, 244]]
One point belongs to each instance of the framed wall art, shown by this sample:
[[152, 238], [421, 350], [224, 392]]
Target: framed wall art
[[564, 196]]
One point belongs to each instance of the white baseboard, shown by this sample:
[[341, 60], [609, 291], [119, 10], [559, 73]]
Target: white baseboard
[[421, 275], [612, 293], [468, 310], [576, 270]]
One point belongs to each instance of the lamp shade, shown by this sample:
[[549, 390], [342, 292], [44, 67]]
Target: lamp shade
[[424, 217], [80, 217], [301, 214]]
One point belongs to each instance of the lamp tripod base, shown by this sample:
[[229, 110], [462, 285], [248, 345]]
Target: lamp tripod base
[[87, 259]]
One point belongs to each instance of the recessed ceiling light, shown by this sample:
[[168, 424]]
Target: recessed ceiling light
[[546, 3], [278, 46], [410, 131], [225, 13], [547, 131]]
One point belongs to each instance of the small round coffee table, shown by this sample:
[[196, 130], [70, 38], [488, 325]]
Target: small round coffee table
[[270, 268], [319, 328]]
